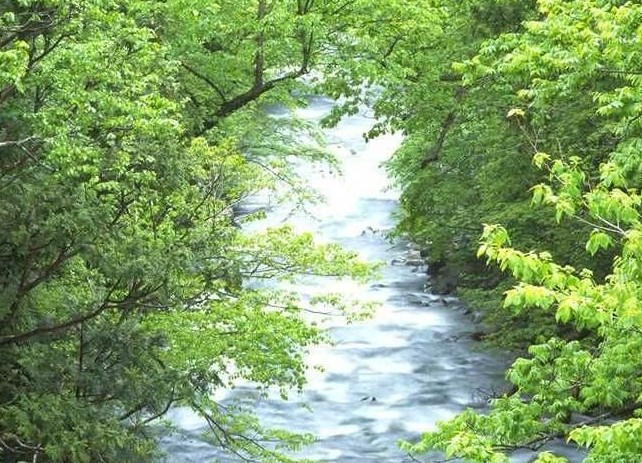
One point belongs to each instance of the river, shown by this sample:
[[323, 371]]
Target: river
[[389, 377]]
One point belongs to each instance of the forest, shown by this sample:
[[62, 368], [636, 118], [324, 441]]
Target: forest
[[132, 131]]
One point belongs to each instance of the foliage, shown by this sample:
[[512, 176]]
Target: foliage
[[129, 133], [583, 388], [470, 131]]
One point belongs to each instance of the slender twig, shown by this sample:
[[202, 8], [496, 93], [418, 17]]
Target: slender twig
[[16, 142], [205, 79]]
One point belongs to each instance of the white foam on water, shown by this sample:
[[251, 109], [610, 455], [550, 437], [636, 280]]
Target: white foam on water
[[384, 366], [420, 317], [185, 418], [340, 430]]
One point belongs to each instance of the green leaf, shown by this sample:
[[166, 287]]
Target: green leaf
[[598, 240]]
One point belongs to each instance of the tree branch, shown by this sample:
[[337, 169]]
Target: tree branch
[[64, 326], [205, 79], [241, 100], [447, 124], [4, 144], [259, 84], [620, 71]]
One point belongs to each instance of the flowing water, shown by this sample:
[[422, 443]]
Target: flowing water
[[387, 378]]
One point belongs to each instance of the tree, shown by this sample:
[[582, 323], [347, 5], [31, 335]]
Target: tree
[[123, 287], [587, 389], [466, 156]]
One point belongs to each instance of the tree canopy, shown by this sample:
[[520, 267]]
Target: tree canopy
[[131, 131], [557, 84], [127, 139]]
